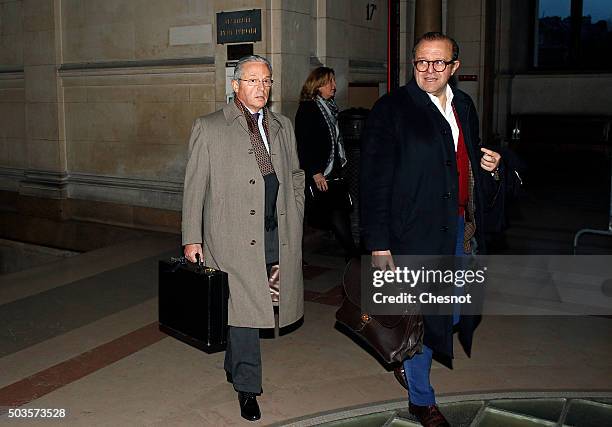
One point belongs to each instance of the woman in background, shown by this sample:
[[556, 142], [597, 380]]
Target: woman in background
[[322, 156]]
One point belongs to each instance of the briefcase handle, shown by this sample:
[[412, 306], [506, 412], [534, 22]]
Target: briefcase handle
[[183, 261], [200, 265]]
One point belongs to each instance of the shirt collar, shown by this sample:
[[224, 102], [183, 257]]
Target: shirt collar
[[449, 100], [260, 111]]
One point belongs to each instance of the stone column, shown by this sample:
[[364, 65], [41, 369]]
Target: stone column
[[428, 16], [406, 39], [332, 28], [46, 173]]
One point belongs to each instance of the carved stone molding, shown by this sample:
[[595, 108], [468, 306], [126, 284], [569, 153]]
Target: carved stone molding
[[129, 191]]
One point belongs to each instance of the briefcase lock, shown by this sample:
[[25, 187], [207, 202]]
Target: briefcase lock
[[205, 269]]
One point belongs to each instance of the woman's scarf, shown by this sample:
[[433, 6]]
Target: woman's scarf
[[329, 109]]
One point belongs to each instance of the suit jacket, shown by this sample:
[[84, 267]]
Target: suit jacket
[[409, 187], [223, 206]]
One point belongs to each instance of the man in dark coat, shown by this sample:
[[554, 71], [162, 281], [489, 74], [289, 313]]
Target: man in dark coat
[[424, 185]]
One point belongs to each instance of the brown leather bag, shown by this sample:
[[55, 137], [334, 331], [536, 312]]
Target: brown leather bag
[[393, 338]]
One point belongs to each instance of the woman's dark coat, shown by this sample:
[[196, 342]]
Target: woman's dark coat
[[313, 139]]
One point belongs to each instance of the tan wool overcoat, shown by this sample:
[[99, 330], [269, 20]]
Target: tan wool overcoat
[[223, 208]]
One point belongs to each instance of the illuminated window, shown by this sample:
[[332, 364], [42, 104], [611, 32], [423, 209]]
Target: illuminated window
[[573, 35]]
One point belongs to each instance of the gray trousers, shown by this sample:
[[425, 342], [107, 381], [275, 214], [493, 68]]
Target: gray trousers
[[243, 359], [243, 356]]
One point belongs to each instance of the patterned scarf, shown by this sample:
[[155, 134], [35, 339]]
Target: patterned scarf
[[261, 154], [329, 109], [470, 208], [470, 223]]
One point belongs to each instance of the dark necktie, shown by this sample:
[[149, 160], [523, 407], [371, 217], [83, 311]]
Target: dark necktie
[[261, 153], [256, 118]]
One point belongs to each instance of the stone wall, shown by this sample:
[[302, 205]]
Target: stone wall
[[96, 104], [562, 94], [124, 30], [127, 129], [97, 98], [334, 33], [465, 23], [11, 34], [13, 155]]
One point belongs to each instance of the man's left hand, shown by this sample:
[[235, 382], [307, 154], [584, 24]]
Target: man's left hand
[[489, 160]]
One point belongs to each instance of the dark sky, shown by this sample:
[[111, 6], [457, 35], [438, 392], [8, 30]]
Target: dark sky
[[598, 9]]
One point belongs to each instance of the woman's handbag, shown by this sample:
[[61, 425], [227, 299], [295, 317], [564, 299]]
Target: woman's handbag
[[320, 204], [337, 195], [393, 338]]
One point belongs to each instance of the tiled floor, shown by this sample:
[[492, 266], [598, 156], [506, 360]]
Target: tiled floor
[[80, 335]]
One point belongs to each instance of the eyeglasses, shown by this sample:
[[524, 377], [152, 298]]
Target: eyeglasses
[[255, 82], [438, 65]]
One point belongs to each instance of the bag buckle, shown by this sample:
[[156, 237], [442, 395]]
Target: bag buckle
[[365, 319]]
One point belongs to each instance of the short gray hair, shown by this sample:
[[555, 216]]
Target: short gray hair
[[246, 59]]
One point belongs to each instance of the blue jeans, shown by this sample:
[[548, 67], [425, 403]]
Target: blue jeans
[[418, 368]]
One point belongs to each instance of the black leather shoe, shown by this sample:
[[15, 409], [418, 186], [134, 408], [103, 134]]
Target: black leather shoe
[[429, 416], [400, 376], [249, 409]]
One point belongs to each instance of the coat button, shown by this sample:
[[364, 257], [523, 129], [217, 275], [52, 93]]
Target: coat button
[[252, 212], [253, 242], [252, 182], [446, 195], [444, 228], [448, 163]]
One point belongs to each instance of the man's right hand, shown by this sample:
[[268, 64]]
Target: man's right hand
[[382, 260], [191, 250]]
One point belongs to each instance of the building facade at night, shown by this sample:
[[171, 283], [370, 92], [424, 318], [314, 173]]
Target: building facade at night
[[97, 98]]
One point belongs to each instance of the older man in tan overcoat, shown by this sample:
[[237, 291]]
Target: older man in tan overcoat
[[243, 206]]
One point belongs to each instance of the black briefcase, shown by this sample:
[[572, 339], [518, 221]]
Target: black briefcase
[[193, 304]]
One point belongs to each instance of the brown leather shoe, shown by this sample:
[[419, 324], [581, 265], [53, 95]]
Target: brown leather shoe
[[429, 416], [400, 376]]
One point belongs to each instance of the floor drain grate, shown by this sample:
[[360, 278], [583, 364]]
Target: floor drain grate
[[496, 409]]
